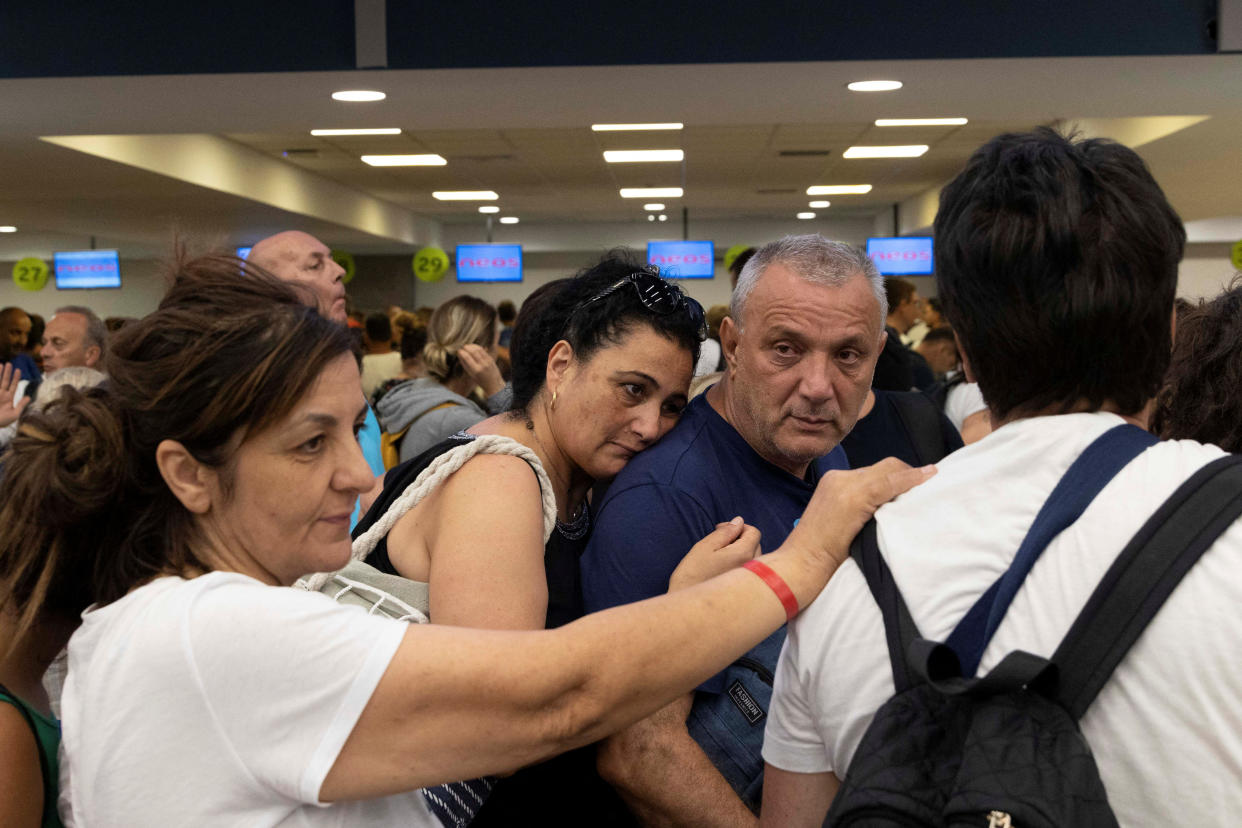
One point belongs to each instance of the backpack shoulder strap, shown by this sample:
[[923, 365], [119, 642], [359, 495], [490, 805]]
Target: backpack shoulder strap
[[1143, 576], [1074, 492], [899, 629], [922, 421]]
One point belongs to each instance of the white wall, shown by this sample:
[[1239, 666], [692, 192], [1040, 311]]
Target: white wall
[[142, 287], [1205, 271]]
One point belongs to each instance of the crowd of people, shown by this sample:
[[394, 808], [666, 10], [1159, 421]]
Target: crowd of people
[[266, 559]]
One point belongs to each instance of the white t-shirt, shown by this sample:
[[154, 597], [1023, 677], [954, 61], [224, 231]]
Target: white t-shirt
[[220, 701], [1166, 730], [963, 400]]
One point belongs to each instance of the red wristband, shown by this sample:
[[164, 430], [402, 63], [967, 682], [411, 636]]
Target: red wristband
[[777, 584]]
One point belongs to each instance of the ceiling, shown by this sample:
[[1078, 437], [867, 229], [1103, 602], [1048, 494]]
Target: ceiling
[[525, 134]]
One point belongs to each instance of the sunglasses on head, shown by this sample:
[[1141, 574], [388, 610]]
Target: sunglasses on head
[[657, 295]]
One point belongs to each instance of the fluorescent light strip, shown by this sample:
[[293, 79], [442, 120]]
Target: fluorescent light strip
[[806, 215], [838, 189], [404, 160], [900, 122], [908, 151], [8, 228], [464, 195], [651, 192], [873, 86], [509, 219], [489, 208], [656, 207], [324, 133], [635, 156], [632, 127], [820, 205], [358, 95]]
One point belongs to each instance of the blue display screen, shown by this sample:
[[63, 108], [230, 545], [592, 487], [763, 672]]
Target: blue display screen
[[87, 269], [682, 259], [905, 256], [243, 252], [489, 262]]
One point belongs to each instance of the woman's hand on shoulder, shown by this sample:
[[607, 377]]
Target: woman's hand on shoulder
[[845, 500], [728, 546]]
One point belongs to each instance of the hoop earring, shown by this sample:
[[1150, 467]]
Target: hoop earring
[[553, 404]]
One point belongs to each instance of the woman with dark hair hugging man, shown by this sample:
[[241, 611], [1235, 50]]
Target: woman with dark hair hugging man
[[218, 464]]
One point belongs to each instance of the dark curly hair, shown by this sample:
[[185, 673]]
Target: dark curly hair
[[1200, 398], [545, 319]]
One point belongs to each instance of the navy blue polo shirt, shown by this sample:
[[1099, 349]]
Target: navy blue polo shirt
[[674, 493]]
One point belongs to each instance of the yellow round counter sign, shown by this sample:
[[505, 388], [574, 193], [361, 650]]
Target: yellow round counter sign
[[346, 261], [30, 273], [430, 264], [1235, 256]]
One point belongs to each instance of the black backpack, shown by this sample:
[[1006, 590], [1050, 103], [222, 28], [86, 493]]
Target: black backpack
[[1005, 749]]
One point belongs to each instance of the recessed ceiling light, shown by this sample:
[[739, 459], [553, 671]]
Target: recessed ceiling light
[[8, 228], [838, 189], [663, 217], [820, 205], [632, 127], [651, 192], [909, 151], [358, 95], [465, 195], [806, 215], [429, 160], [509, 219], [654, 207], [489, 208], [873, 86], [384, 131], [633, 156], [651, 217], [900, 122]]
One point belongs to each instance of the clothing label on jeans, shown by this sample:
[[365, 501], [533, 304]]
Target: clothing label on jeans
[[745, 703]]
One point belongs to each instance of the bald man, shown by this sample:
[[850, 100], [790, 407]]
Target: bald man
[[300, 257], [74, 336], [14, 330]]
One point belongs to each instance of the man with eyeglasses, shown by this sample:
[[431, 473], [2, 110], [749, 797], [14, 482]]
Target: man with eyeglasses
[[800, 344]]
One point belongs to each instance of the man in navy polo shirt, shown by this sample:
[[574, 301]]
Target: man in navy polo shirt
[[800, 345]]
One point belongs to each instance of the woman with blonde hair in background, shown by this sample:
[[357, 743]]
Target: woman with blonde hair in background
[[460, 356]]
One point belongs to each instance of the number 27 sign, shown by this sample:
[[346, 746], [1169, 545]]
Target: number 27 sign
[[30, 273]]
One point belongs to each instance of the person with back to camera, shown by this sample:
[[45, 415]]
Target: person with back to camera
[[602, 362], [459, 356], [175, 498], [1200, 399], [1069, 245], [380, 361]]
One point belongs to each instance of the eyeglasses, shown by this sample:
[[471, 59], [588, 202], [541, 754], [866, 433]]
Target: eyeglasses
[[657, 295]]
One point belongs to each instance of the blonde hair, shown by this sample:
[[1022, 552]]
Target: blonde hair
[[464, 320]]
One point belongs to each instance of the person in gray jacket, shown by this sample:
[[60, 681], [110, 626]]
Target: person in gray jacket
[[460, 356]]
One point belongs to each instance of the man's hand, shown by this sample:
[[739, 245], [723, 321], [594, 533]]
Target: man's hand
[[9, 379], [482, 368], [730, 545]]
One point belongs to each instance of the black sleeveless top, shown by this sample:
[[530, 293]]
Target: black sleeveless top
[[565, 790], [561, 554]]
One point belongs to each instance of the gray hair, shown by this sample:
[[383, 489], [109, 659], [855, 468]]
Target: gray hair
[[74, 376], [96, 330], [813, 258]]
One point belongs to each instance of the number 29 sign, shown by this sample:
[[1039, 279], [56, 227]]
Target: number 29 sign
[[30, 273]]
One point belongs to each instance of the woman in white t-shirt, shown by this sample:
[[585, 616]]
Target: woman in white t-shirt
[[220, 463]]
